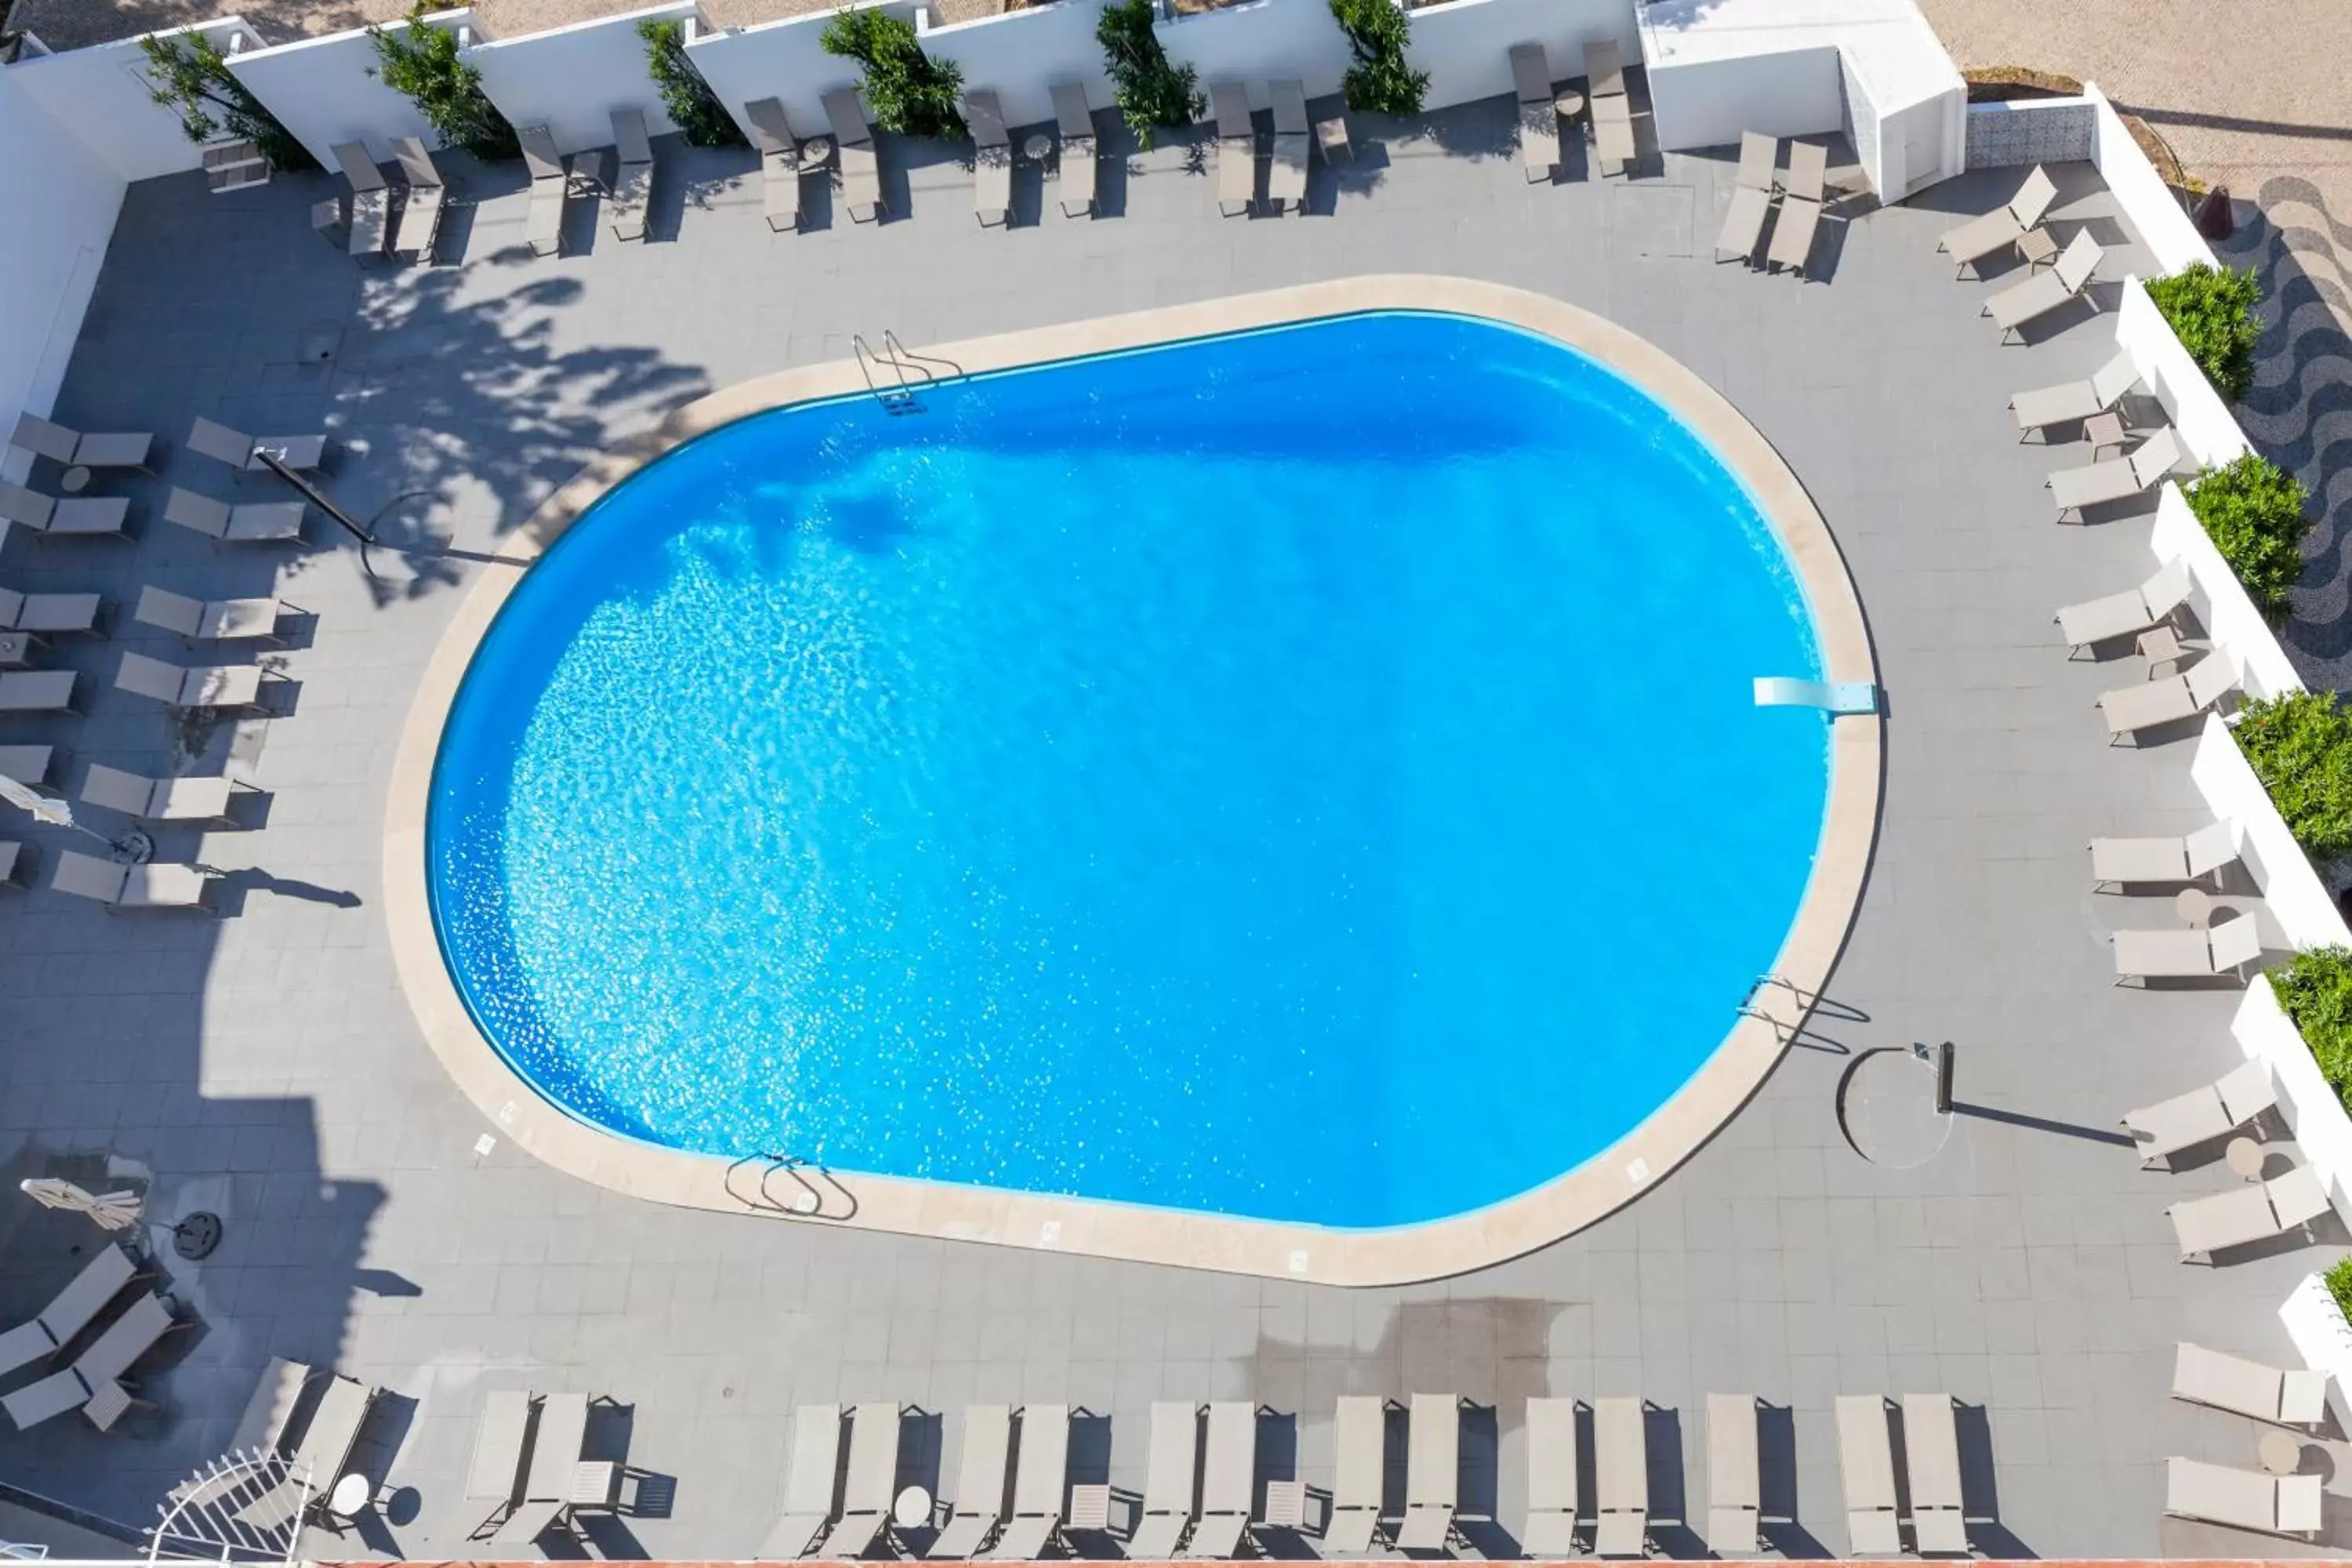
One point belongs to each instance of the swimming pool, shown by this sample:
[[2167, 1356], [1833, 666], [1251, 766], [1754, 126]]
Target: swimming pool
[[1306, 775]]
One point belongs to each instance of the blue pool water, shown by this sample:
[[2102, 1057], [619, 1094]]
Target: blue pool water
[[1310, 774]]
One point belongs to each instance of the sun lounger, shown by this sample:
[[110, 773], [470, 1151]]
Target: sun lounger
[[29, 764], [2116, 479], [1866, 1468], [324, 1447], [48, 515], [2296, 1398], [49, 615], [1931, 1453], [1075, 172], [2043, 292], [2187, 953], [1621, 1477], [1286, 169], [1538, 111], [2072, 400], [550, 186], [154, 886], [202, 686], [1040, 1483], [811, 1477], [2205, 1113], [93, 1384], [2255, 1212], [1169, 1483], [1433, 1472], [70, 1310], [1612, 110], [157, 800], [2249, 1499], [254, 522], [1751, 198], [1228, 1480], [555, 1443], [1358, 1473], [1734, 1481], [104, 449], [15, 864], [2121, 861], [239, 450], [633, 187], [1550, 1529], [780, 163], [992, 160], [212, 620], [1236, 148], [501, 1444], [979, 1482], [873, 1481], [43, 439], [853, 141], [2132, 708], [2129, 613], [420, 210], [37, 691], [1803, 191], [2003, 226], [371, 198]]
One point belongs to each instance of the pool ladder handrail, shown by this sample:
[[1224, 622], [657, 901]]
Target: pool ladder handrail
[[910, 373], [809, 1202]]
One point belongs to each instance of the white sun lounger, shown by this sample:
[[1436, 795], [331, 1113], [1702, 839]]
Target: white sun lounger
[[101, 449], [1236, 148], [853, 141], [1931, 1452], [979, 1482], [1751, 198], [2120, 861], [780, 163], [1612, 110], [1040, 1484], [2072, 400], [1621, 1477], [992, 160], [2003, 226], [420, 210], [2205, 1113], [1359, 1475], [2255, 1212], [29, 764], [1538, 111], [2129, 613], [1075, 171], [2296, 1398], [1867, 1466], [1169, 1483], [2116, 479], [1803, 193], [866, 1495], [93, 1384], [212, 620], [2187, 953], [371, 198], [157, 800], [70, 1310], [51, 615], [633, 187], [2129, 709], [1433, 1473], [326, 1444], [37, 691], [105, 516], [254, 523], [1734, 1481], [812, 1474], [501, 1444], [2043, 292], [1550, 1529], [555, 1445], [1286, 169], [2249, 1499], [1228, 1480], [550, 187], [239, 450], [154, 886], [202, 686]]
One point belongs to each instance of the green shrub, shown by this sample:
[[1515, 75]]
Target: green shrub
[[2253, 512], [421, 62], [2339, 1284], [1152, 90], [2300, 746], [1383, 80], [692, 106], [2212, 313], [188, 74], [2315, 990], [909, 91]]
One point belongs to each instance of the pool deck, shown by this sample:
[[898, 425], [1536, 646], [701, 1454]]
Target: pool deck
[[267, 1066]]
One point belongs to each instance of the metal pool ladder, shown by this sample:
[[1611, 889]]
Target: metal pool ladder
[[803, 1198], [910, 373]]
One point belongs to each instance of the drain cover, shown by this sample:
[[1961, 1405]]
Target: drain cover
[[1886, 1103]]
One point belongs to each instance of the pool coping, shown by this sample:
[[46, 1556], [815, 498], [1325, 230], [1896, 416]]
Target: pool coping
[[1390, 1256]]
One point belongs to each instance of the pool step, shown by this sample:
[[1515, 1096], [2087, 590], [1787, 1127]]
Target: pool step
[[1834, 697]]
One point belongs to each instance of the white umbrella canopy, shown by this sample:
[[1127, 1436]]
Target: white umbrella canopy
[[112, 1210]]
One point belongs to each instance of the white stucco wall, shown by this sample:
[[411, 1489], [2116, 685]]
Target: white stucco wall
[[572, 78], [100, 96], [1022, 54], [783, 60], [2206, 429], [325, 91], [1260, 39], [2155, 213], [1464, 45], [1709, 102]]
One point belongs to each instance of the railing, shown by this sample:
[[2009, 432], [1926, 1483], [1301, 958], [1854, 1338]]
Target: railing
[[811, 1191], [910, 373]]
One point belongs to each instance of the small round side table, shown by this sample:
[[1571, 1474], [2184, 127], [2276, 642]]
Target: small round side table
[[74, 481], [817, 152], [1038, 146], [2194, 905], [912, 1509], [2282, 1453], [2244, 1158], [350, 1497]]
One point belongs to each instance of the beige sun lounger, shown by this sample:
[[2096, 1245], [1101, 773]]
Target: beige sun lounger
[[1236, 148], [1170, 1480], [992, 160], [2129, 613], [853, 141], [1551, 1529], [29, 765], [239, 450], [2116, 479], [212, 620], [1931, 1453], [43, 439], [980, 1483], [633, 187], [2131, 709], [70, 1310], [1228, 1481], [1538, 111], [1612, 110], [1803, 192], [2254, 1212], [872, 1484], [550, 187], [1286, 169], [2205, 1113], [49, 615], [326, 1445], [2073, 400], [810, 1477], [1866, 1468], [780, 163], [2003, 226], [371, 198], [93, 1384], [1621, 1477], [154, 886], [420, 209], [157, 800], [37, 691], [2043, 292], [1735, 1498], [1040, 1484], [2296, 1398], [1433, 1473], [254, 523], [1075, 171], [202, 686], [555, 1445], [1751, 198], [2249, 1499], [2121, 861], [501, 1444], [102, 449], [48, 515], [1359, 1465], [2187, 953]]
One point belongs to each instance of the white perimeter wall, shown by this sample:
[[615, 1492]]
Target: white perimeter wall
[[2150, 204], [1465, 45], [1023, 54], [325, 91], [2207, 429], [572, 78], [100, 96], [781, 60], [2224, 608], [1248, 43], [1708, 103]]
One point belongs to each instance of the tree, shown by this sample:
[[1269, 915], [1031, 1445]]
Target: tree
[[1152, 90], [692, 106], [911, 93], [188, 74], [1383, 80], [421, 61]]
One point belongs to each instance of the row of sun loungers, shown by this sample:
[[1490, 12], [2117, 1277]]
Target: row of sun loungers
[[93, 1383], [1803, 192], [73, 449], [2248, 1499], [526, 1464], [374, 228]]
